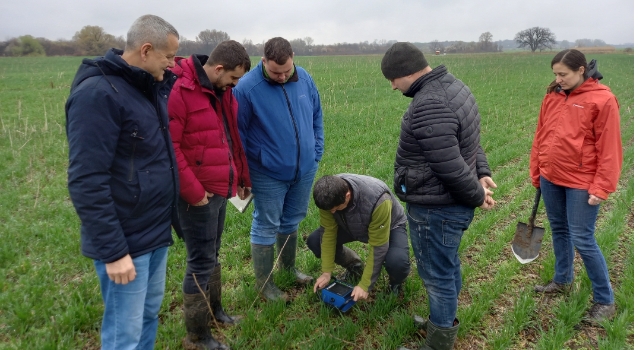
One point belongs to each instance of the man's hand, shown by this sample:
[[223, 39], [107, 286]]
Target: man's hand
[[489, 202], [322, 281], [359, 293], [121, 271], [593, 200], [243, 192], [487, 182], [204, 200]]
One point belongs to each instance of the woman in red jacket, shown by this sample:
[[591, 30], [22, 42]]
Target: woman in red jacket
[[576, 160]]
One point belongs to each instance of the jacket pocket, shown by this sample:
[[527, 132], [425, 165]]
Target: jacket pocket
[[399, 180], [143, 185]]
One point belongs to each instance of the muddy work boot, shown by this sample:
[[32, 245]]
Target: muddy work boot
[[353, 265], [439, 338], [287, 244], [262, 256], [215, 300], [196, 320], [552, 287], [601, 312]]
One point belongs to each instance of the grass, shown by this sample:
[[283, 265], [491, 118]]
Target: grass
[[49, 295]]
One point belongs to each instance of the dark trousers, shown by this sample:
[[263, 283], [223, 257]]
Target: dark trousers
[[396, 261], [202, 228]]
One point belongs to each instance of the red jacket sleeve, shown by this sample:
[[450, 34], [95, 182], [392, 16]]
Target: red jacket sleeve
[[608, 149], [534, 165]]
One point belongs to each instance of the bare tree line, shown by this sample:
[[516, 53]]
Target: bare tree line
[[94, 41]]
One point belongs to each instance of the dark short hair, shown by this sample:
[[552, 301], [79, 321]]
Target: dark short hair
[[278, 49], [230, 54], [329, 192]]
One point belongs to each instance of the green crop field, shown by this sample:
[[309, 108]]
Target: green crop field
[[49, 293]]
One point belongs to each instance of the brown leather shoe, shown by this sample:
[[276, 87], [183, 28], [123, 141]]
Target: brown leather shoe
[[601, 312], [552, 287]]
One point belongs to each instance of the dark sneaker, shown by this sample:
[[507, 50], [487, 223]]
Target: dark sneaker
[[601, 312], [552, 287], [397, 290], [352, 274]]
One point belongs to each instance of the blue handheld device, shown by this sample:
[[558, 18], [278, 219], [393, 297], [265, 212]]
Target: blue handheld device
[[338, 295]]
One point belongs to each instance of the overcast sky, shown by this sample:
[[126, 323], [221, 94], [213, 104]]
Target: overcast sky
[[330, 21]]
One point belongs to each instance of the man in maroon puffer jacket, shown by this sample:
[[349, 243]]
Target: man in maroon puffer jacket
[[212, 168]]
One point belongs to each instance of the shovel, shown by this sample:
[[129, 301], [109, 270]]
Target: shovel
[[528, 239]]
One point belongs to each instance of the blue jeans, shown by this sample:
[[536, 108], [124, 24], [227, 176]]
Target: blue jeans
[[130, 319], [279, 206], [435, 238], [202, 228], [572, 222]]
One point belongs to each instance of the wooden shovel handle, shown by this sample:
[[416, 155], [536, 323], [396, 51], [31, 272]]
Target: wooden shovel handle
[[534, 211]]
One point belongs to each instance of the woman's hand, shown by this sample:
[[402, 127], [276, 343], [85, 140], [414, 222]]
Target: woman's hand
[[593, 200]]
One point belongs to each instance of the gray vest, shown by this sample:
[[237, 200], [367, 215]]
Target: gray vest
[[367, 194]]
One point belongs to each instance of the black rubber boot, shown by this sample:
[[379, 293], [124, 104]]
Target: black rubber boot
[[439, 338], [288, 245], [352, 263], [262, 256], [196, 320], [215, 300]]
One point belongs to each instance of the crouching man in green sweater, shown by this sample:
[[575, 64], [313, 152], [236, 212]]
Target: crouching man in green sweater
[[360, 208]]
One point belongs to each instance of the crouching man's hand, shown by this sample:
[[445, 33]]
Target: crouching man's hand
[[359, 293], [322, 281]]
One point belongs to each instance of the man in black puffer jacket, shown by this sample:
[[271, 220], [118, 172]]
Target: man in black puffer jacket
[[442, 173]]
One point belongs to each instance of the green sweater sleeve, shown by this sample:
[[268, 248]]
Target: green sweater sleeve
[[379, 229], [329, 239]]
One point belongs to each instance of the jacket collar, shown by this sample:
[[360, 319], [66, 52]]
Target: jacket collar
[[201, 74], [417, 85], [590, 84], [293, 78]]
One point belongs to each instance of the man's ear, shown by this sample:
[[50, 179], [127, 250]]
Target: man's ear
[[219, 69], [144, 50]]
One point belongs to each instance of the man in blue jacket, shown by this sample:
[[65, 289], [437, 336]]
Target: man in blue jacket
[[280, 122], [123, 178]]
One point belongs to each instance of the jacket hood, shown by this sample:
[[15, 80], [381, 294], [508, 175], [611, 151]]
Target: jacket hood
[[112, 64], [192, 73]]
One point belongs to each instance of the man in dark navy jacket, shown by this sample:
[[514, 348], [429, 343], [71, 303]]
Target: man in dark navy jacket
[[123, 179]]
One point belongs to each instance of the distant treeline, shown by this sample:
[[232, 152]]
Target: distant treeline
[[94, 41]]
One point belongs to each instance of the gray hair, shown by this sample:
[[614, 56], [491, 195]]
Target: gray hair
[[149, 29]]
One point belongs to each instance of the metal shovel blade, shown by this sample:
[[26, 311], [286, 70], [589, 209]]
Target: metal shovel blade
[[527, 242], [528, 239]]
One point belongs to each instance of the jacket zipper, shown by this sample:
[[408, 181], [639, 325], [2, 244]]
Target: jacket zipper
[[226, 135], [134, 134], [295, 128]]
